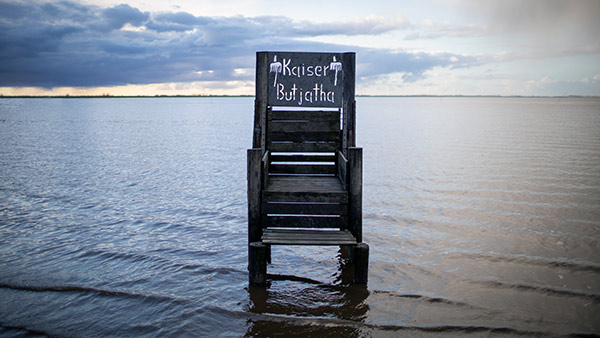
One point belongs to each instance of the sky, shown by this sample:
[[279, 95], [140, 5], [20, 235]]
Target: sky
[[198, 47]]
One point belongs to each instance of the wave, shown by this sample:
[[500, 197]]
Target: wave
[[428, 299], [330, 323], [29, 331], [530, 260], [91, 290], [546, 290]]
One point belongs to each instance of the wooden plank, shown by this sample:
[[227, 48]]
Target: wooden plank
[[307, 237], [307, 232], [302, 158], [280, 196], [309, 241], [311, 115], [303, 126], [303, 147], [304, 136], [305, 208], [302, 169], [305, 221], [296, 240], [322, 235], [320, 184]]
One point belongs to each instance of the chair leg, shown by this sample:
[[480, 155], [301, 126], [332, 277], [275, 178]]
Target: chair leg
[[257, 263], [360, 258]]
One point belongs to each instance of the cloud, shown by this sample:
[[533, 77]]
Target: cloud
[[432, 30], [537, 16], [413, 66], [369, 25], [70, 44], [552, 25], [530, 29], [118, 16]]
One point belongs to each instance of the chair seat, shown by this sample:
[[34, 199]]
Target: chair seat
[[309, 184], [307, 237], [305, 189]]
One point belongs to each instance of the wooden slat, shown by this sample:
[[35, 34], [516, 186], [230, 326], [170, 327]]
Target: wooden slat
[[302, 158], [305, 208], [280, 196], [306, 232], [321, 184], [305, 221], [300, 126], [307, 237], [302, 147], [304, 115], [304, 136], [302, 169]]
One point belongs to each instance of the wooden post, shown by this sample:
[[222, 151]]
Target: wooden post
[[254, 187], [257, 263], [360, 258], [348, 101], [260, 101], [355, 192]]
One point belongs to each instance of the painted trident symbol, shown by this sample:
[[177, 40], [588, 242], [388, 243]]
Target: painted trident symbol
[[276, 67], [337, 66]]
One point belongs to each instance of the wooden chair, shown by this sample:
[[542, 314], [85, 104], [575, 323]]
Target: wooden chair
[[304, 172]]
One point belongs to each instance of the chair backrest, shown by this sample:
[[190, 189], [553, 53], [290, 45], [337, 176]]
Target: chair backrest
[[304, 81], [303, 142]]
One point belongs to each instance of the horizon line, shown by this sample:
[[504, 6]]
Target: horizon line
[[67, 96]]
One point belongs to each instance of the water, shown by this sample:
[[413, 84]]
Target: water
[[127, 217]]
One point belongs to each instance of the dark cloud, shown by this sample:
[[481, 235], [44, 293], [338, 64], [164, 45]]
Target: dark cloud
[[176, 22], [13, 11], [118, 16], [412, 65], [70, 44]]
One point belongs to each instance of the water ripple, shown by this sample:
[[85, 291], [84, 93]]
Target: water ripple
[[483, 218]]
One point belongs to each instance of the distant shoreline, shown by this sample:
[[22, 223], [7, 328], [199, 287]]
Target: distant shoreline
[[233, 96]]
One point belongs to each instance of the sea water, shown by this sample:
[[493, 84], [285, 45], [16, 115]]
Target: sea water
[[128, 217]]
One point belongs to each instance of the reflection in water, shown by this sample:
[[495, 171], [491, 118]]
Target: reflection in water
[[294, 306]]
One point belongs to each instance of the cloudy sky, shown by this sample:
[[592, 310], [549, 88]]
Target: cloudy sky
[[445, 47]]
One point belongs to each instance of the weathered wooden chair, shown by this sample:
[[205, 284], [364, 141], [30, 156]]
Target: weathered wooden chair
[[304, 171]]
